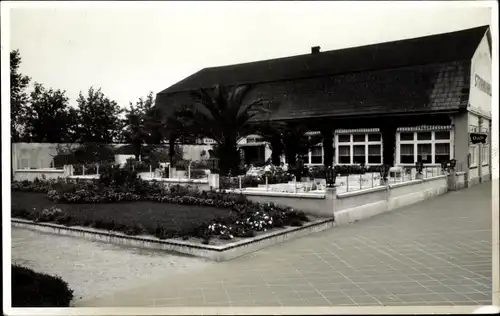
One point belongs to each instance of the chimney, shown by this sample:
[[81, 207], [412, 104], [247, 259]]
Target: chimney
[[315, 49]]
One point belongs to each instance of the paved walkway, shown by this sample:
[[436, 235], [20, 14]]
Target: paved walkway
[[433, 253]]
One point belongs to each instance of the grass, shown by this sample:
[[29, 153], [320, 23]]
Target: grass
[[172, 217]]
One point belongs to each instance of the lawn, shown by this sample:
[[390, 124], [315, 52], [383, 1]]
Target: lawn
[[173, 217], [119, 201]]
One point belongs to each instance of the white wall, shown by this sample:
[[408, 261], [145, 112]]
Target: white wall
[[41, 155], [479, 107], [193, 152], [36, 155], [479, 101]]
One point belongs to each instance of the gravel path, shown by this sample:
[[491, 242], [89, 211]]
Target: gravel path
[[94, 269]]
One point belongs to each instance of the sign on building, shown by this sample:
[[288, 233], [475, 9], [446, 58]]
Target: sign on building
[[477, 138]]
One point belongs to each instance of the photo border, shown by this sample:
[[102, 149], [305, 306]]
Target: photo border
[[6, 199]]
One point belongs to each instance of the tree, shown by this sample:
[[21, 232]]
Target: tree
[[48, 119], [144, 125], [288, 138], [135, 132], [223, 116], [98, 117], [18, 96], [272, 133]]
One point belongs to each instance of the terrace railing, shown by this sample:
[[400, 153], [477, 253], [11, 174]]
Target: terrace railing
[[344, 183]]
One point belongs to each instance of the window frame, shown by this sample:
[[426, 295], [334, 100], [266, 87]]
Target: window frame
[[415, 142], [310, 155], [485, 155], [366, 143]]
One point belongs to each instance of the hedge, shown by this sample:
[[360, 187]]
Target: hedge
[[33, 289]]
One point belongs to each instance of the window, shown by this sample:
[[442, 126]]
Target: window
[[373, 137], [442, 135], [485, 155], [316, 155], [430, 147], [359, 154], [359, 138], [407, 136], [359, 148], [344, 138], [424, 136], [374, 154], [442, 152], [424, 153], [407, 153], [344, 154], [473, 156]]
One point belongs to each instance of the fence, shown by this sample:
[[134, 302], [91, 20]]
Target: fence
[[144, 171], [344, 183]]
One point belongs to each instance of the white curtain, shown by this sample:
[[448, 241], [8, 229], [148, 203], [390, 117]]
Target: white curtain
[[374, 150], [344, 151], [424, 149], [406, 149], [442, 149], [359, 150], [316, 151]]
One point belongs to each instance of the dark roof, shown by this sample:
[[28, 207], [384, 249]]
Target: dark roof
[[440, 48], [406, 90]]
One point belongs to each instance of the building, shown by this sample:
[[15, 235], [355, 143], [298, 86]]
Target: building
[[395, 102]]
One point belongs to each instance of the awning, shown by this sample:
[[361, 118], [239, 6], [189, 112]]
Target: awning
[[425, 128], [357, 130]]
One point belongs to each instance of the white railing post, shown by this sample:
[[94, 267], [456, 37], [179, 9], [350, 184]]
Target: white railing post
[[189, 170], [150, 171], [83, 170], [267, 184], [239, 180], [97, 168]]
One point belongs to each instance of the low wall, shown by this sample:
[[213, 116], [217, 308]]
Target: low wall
[[32, 174], [353, 206], [356, 205], [407, 193], [213, 252], [316, 204], [458, 181]]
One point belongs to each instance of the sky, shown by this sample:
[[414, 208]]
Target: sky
[[129, 49]]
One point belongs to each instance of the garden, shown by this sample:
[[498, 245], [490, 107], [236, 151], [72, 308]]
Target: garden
[[120, 201]]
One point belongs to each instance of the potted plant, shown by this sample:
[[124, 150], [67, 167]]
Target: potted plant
[[419, 167], [384, 172]]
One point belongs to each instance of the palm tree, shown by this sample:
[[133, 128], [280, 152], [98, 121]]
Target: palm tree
[[288, 138], [224, 116]]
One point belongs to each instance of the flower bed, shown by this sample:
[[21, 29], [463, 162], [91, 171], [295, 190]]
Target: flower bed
[[32, 289], [141, 208]]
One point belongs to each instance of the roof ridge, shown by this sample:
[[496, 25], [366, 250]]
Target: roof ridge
[[423, 50]]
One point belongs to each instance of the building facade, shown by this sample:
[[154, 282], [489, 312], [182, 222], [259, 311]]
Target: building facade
[[394, 103]]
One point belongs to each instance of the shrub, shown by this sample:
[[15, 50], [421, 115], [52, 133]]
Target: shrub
[[198, 174], [116, 176], [32, 289], [50, 214]]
